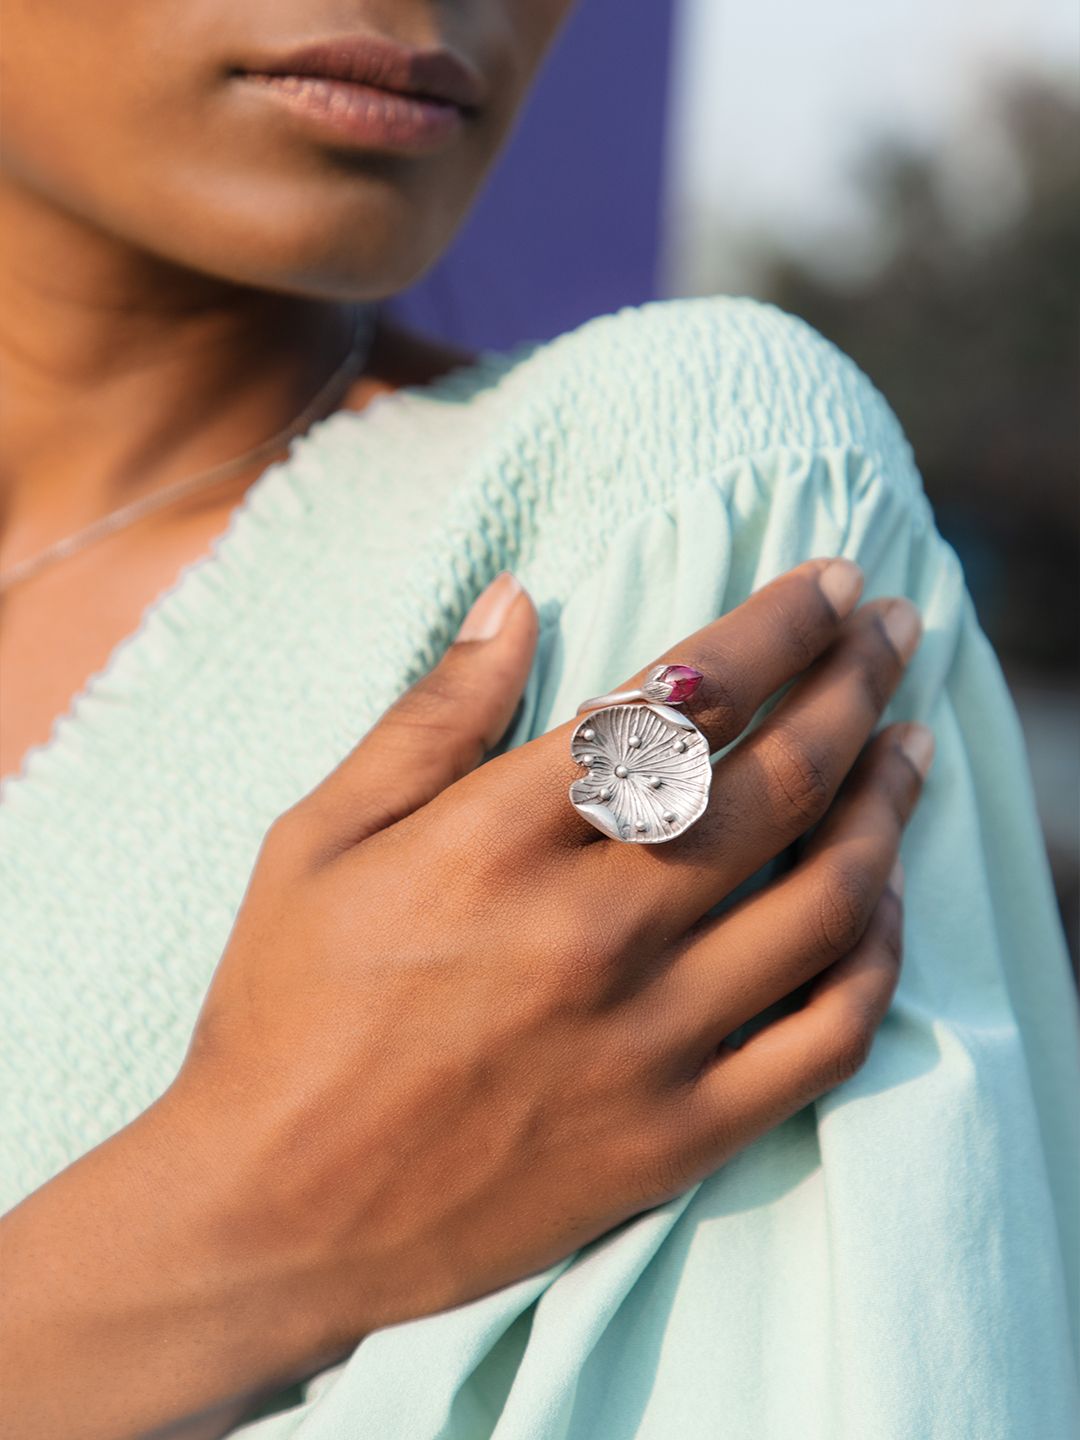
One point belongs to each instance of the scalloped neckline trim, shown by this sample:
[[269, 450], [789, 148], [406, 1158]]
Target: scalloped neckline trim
[[193, 579]]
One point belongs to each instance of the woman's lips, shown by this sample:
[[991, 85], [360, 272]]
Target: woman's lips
[[367, 90], [364, 116]]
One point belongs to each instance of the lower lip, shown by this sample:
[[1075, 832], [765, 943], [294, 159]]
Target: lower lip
[[363, 115]]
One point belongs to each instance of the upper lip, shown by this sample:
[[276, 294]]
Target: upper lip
[[437, 74]]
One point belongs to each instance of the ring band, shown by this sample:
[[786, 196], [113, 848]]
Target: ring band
[[647, 765]]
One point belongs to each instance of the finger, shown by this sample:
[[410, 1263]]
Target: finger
[[439, 730], [744, 1092], [775, 634], [745, 657], [775, 784], [732, 968]]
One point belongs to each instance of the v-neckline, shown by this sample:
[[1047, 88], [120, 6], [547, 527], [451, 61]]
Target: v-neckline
[[258, 499]]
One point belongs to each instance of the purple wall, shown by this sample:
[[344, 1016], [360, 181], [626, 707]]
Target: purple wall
[[568, 224]]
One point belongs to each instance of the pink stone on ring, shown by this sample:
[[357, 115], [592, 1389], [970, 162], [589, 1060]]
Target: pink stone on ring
[[674, 684]]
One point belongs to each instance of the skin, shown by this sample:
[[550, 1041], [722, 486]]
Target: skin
[[422, 1068], [174, 254]]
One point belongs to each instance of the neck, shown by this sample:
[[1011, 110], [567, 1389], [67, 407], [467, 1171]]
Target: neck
[[120, 372]]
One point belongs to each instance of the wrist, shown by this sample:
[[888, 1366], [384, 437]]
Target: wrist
[[144, 1291], [253, 1261]]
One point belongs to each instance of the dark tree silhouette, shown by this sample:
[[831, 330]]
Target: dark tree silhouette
[[973, 338]]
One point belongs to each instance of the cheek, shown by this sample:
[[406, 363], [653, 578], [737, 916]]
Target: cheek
[[74, 81]]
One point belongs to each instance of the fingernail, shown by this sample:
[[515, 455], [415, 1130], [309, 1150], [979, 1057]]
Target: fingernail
[[896, 878], [918, 746], [842, 582], [490, 608], [903, 625]]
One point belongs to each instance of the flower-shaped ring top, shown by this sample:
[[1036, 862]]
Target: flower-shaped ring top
[[648, 771]]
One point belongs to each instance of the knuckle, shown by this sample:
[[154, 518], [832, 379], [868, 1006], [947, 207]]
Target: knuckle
[[846, 899], [464, 855], [291, 838], [481, 838], [711, 1131], [895, 785], [875, 673], [801, 628], [882, 775], [431, 704], [435, 690], [579, 948], [435, 726], [800, 775], [724, 698], [890, 935], [905, 781], [661, 1157], [850, 1041]]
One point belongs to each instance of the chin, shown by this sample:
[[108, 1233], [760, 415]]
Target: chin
[[360, 238]]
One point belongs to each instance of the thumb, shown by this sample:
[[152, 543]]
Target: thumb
[[440, 729]]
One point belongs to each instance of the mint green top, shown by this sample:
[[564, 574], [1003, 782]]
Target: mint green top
[[899, 1261]]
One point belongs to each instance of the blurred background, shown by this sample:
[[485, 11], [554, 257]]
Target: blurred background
[[903, 175]]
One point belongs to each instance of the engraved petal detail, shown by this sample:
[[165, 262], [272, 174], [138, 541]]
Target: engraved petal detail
[[620, 794]]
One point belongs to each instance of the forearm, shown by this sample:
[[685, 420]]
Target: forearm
[[135, 1297]]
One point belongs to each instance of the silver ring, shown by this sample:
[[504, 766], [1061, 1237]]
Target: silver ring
[[647, 765]]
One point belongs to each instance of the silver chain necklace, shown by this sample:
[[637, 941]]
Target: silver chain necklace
[[125, 515]]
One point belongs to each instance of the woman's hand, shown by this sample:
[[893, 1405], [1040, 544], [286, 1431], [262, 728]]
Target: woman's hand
[[456, 1033]]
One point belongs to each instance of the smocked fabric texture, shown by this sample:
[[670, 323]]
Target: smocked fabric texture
[[898, 1261]]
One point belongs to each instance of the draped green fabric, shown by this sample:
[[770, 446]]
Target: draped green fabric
[[898, 1261]]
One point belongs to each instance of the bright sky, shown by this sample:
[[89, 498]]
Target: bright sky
[[773, 97]]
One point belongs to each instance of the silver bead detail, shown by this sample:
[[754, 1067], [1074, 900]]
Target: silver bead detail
[[643, 775]]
